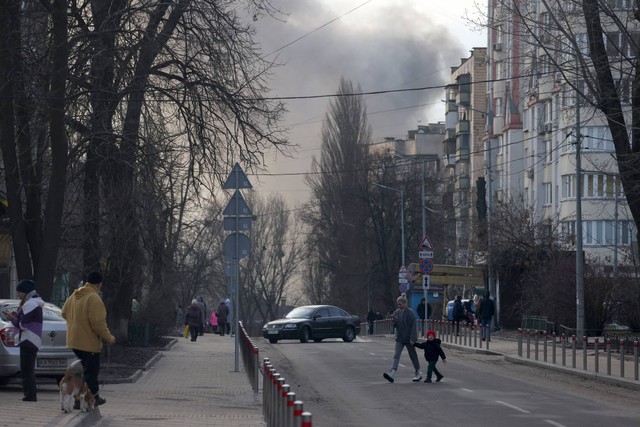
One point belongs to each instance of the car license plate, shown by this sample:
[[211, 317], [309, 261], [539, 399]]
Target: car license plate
[[272, 332], [51, 363]]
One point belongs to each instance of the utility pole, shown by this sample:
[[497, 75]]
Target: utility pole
[[579, 254]]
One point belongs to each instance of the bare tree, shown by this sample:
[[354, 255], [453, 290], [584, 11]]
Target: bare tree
[[337, 217], [270, 277], [32, 132]]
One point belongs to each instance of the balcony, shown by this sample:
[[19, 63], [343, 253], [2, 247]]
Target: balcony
[[463, 98], [462, 183], [462, 126], [449, 134]]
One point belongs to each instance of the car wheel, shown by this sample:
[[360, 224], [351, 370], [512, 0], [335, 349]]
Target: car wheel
[[349, 335], [305, 335], [317, 339], [273, 340]]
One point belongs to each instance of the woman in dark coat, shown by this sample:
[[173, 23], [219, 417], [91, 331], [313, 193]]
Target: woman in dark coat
[[193, 318], [223, 314]]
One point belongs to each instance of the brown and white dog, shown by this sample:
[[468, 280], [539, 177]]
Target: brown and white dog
[[73, 387]]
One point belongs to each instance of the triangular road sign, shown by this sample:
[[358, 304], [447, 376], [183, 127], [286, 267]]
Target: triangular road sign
[[426, 244], [237, 206], [236, 179]]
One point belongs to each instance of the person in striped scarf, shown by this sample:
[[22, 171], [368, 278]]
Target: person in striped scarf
[[28, 321]]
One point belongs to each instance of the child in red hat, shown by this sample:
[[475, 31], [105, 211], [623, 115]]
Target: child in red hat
[[432, 350]]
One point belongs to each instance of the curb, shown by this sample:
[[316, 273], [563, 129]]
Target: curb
[[608, 379]]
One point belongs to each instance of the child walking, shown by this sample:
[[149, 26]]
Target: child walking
[[432, 350]]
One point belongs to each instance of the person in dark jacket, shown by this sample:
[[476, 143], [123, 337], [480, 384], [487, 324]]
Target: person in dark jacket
[[28, 321], [193, 318], [371, 317], [223, 317], [406, 325], [485, 314], [432, 350], [458, 313]]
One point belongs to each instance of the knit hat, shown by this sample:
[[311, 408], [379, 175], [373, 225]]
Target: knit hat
[[26, 286], [95, 278], [431, 332], [194, 301]]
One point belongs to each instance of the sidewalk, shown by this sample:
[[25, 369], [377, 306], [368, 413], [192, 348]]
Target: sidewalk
[[191, 384], [509, 349]]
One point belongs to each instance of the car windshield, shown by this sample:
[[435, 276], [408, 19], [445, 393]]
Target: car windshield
[[301, 313]]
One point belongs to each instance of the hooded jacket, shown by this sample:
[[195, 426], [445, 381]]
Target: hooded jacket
[[86, 318], [28, 320]]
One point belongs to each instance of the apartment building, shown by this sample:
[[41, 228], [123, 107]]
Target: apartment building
[[464, 155], [539, 94]]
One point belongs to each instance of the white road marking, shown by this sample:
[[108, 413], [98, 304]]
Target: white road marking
[[524, 411], [553, 423], [468, 390], [373, 354]]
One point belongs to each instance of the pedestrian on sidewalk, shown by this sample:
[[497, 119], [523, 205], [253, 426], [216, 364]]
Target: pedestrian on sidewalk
[[203, 309], [485, 314], [406, 326], [432, 350], [86, 318], [193, 318], [28, 320], [458, 313], [213, 321], [223, 314]]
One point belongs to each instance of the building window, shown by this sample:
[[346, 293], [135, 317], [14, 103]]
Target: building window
[[568, 186], [499, 109], [548, 193]]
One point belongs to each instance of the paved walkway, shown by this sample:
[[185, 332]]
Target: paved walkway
[[192, 384]]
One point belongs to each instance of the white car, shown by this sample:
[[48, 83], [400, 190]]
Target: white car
[[53, 357]]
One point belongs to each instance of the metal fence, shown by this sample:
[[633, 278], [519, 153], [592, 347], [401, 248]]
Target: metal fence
[[279, 404], [594, 352], [250, 358]]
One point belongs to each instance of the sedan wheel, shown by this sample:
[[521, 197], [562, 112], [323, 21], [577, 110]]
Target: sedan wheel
[[349, 335], [273, 340], [317, 339], [305, 334]]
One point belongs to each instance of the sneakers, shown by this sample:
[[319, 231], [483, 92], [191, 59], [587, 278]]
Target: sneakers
[[439, 378], [418, 377], [428, 380], [100, 400], [389, 375]]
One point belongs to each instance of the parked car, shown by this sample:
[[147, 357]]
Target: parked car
[[53, 357], [313, 322]]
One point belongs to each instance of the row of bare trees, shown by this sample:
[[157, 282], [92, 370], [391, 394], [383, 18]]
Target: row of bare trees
[[117, 119]]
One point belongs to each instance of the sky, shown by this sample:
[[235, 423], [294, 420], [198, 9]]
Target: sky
[[378, 44]]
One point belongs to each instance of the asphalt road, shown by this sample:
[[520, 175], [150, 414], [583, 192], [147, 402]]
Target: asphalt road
[[341, 384]]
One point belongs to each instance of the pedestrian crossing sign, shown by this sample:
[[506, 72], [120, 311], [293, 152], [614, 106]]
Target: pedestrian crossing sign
[[426, 244]]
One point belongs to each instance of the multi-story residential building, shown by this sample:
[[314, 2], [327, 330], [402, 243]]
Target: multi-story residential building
[[539, 96], [464, 155]]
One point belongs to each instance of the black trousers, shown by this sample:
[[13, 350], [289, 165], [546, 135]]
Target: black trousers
[[28, 355], [91, 365]]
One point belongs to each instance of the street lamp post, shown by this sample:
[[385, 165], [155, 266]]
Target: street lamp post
[[401, 192]]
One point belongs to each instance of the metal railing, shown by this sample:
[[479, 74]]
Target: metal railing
[[593, 352], [279, 404], [250, 358]]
